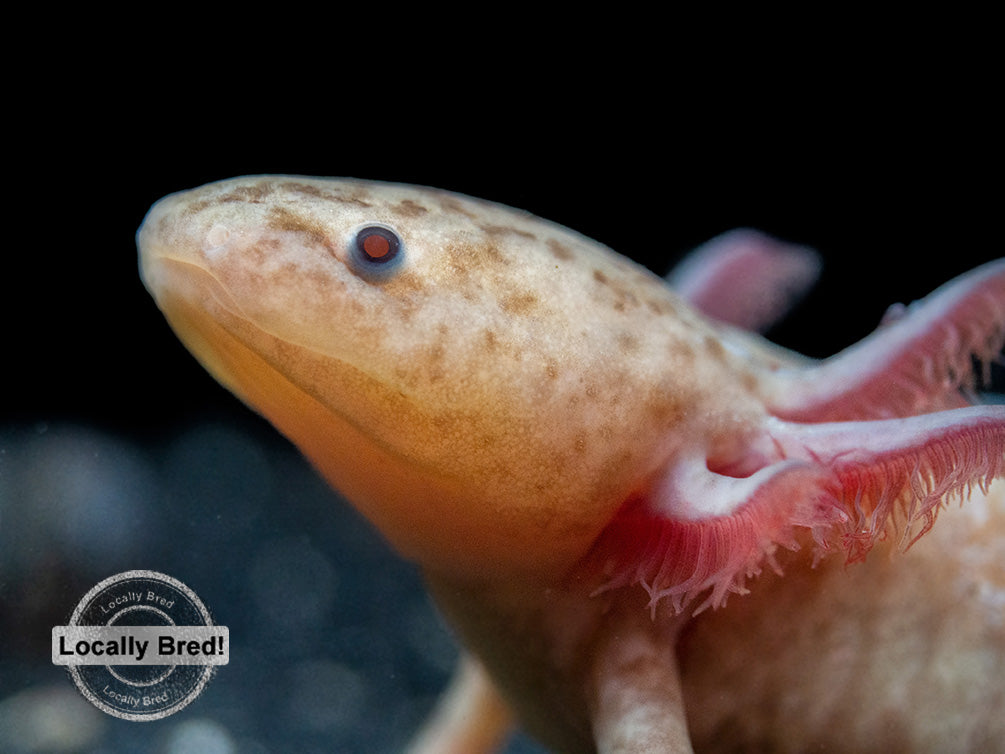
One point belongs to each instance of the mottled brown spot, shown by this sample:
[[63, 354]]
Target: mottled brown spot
[[551, 369], [628, 343], [623, 291], [432, 362], [490, 340], [660, 306], [682, 350], [714, 348], [283, 219], [356, 196], [478, 259], [749, 382], [454, 263], [308, 189], [519, 303], [451, 205], [408, 208], [256, 193], [357, 199], [560, 250], [194, 207], [492, 254], [503, 230], [626, 300], [662, 409]]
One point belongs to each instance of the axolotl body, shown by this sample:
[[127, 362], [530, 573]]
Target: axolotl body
[[604, 481]]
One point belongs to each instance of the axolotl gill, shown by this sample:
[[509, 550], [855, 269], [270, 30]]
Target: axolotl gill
[[635, 511]]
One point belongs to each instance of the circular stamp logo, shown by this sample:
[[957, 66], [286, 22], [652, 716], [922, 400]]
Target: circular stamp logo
[[140, 645]]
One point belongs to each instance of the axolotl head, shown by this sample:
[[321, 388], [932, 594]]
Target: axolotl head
[[478, 381]]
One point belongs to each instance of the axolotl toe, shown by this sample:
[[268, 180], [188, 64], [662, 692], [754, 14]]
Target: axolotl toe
[[636, 512]]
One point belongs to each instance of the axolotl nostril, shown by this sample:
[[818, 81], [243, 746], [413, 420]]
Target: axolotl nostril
[[604, 481]]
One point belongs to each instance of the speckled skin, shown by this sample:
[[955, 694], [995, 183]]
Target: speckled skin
[[543, 425], [511, 357]]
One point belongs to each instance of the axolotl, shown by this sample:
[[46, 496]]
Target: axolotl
[[637, 514]]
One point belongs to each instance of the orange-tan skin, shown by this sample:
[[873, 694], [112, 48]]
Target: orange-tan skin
[[489, 408]]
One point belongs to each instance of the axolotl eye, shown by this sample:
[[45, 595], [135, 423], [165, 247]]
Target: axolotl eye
[[376, 251]]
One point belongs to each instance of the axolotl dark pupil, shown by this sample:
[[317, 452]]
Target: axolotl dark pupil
[[377, 245]]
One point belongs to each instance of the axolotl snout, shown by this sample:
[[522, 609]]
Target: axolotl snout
[[579, 458]]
